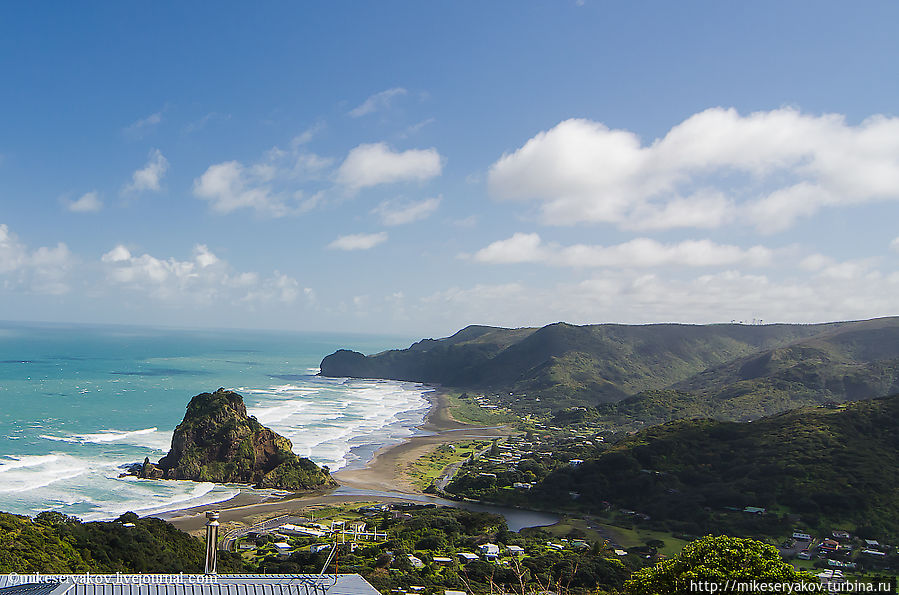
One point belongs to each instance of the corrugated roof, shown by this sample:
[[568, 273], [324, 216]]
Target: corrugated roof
[[186, 584]]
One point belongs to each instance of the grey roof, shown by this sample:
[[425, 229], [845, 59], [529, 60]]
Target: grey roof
[[185, 584]]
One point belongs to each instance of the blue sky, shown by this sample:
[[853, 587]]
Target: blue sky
[[414, 167]]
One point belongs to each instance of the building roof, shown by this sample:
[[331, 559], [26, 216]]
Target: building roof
[[186, 584]]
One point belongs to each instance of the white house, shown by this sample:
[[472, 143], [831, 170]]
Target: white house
[[489, 550]]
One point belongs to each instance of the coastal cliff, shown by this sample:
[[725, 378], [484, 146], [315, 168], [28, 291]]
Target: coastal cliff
[[217, 441]]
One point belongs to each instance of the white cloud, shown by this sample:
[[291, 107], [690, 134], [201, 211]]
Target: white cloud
[[894, 245], [521, 247], [203, 278], [636, 253], [88, 203], [149, 177], [636, 298], [139, 128], [44, 270], [359, 241], [376, 102], [373, 164], [769, 168], [230, 186], [393, 212], [268, 186]]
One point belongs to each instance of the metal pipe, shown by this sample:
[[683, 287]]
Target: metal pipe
[[212, 537]]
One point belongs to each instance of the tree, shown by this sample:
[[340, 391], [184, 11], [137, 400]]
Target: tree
[[716, 559]]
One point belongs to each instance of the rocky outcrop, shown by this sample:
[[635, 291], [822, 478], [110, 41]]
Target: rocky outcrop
[[217, 441]]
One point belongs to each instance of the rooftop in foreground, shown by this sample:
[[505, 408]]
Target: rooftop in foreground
[[185, 584]]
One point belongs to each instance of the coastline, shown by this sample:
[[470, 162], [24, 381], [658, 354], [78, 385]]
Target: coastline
[[381, 479]]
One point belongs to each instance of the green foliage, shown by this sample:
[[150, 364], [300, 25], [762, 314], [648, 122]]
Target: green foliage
[[716, 559], [826, 465], [54, 543]]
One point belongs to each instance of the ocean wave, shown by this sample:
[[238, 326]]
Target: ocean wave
[[147, 437], [326, 423], [27, 473]]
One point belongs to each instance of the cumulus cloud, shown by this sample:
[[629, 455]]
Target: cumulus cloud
[[768, 168], [44, 270], [374, 164], [376, 102], [149, 177], [636, 253], [203, 278], [359, 241], [88, 203], [894, 245], [394, 212], [270, 186]]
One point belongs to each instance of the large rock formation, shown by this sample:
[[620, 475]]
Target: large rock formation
[[217, 441]]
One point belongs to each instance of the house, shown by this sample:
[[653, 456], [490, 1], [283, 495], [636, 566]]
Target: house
[[245, 546], [442, 561], [831, 576], [490, 551], [575, 462], [804, 555], [466, 557], [841, 535], [555, 546], [872, 543], [283, 549], [829, 545], [319, 547], [874, 553], [416, 562], [620, 553], [289, 529], [515, 550], [802, 536], [520, 485], [754, 510]]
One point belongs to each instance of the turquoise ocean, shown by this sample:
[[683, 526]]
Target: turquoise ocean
[[79, 402]]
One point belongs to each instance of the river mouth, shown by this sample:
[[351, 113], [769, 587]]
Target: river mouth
[[516, 518]]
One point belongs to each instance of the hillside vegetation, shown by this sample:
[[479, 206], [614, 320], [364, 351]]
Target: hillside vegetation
[[54, 543], [648, 374], [827, 465]]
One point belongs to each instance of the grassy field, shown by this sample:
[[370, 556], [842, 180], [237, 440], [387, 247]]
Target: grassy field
[[467, 411], [593, 531], [426, 469]]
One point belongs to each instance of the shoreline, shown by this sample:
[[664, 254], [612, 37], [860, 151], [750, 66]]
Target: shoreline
[[380, 479]]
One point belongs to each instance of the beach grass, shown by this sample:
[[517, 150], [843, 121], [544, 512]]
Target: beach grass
[[466, 410], [426, 469]]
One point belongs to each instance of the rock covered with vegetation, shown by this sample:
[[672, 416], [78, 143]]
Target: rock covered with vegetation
[[217, 441]]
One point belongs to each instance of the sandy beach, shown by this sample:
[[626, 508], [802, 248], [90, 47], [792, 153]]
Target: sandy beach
[[383, 473]]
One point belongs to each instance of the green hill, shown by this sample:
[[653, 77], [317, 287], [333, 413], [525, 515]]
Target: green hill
[[570, 365], [831, 466], [852, 361]]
